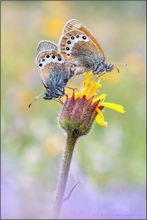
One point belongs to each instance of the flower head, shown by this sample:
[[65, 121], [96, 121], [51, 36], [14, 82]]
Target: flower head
[[82, 108], [90, 89]]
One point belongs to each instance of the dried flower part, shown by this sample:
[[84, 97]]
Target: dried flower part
[[78, 115]]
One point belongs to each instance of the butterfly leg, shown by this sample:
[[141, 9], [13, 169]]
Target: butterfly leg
[[98, 76], [59, 100], [71, 88]]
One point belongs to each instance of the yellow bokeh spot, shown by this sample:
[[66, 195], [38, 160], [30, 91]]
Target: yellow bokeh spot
[[52, 145], [113, 77], [52, 26], [136, 63]]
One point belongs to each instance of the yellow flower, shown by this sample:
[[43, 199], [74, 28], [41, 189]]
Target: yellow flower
[[82, 108], [90, 89]]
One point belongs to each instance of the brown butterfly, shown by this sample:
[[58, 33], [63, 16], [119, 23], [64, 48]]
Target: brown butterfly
[[80, 47], [54, 71]]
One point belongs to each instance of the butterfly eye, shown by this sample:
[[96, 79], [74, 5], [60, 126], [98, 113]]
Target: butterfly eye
[[84, 37], [65, 80], [67, 48], [77, 36], [68, 42], [47, 56], [53, 56], [43, 60], [56, 96], [72, 38], [40, 64], [59, 59]]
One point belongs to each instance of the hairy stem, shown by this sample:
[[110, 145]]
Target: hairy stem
[[67, 156]]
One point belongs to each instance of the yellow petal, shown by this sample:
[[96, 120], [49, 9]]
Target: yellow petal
[[87, 83], [116, 107], [77, 95], [101, 97], [100, 118], [86, 88], [92, 91], [89, 76]]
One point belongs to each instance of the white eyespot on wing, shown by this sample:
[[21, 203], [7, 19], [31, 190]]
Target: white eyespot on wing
[[51, 59], [76, 39], [73, 40]]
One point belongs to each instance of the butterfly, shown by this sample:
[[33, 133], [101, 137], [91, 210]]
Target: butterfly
[[80, 47], [54, 71]]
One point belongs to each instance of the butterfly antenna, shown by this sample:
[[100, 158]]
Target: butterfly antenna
[[116, 68], [120, 63], [35, 99]]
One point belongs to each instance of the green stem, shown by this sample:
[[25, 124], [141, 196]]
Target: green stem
[[67, 156]]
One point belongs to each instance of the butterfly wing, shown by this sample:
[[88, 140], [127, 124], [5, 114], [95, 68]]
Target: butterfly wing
[[45, 45], [45, 61], [72, 24], [79, 49], [75, 24], [54, 71]]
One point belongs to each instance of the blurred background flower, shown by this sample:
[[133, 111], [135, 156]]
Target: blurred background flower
[[109, 162]]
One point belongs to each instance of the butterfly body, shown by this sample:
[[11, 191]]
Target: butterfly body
[[80, 47]]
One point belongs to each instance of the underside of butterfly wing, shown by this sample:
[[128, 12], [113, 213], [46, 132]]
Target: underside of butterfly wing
[[57, 79], [72, 24], [45, 45], [79, 49], [54, 72], [75, 24], [45, 60]]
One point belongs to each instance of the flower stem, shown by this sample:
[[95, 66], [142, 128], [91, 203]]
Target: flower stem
[[67, 156]]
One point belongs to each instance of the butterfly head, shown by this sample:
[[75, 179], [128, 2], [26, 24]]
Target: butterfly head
[[108, 66], [48, 95], [54, 93]]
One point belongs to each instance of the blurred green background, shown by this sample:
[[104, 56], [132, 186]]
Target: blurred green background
[[109, 161]]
